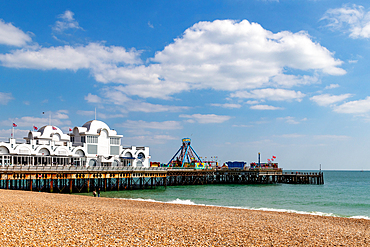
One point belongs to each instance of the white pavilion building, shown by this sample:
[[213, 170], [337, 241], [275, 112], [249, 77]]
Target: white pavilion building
[[93, 144]]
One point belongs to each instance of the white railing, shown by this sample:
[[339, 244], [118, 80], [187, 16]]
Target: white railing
[[78, 168]]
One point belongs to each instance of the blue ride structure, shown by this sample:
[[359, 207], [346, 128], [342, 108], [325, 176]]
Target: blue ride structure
[[186, 156]]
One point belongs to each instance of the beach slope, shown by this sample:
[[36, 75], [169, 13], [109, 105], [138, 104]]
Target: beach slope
[[44, 219]]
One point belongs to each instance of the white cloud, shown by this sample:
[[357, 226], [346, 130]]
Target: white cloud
[[205, 118], [331, 86], [66, 22], [5, 134], [332, 137], [117, 96], [270, 94], [94, 56], [91, 98], [166, 125], [5, 98], [221, 55], [265, 107], [252, 102], [61, 114], [39, 122], [292, 80], [355, 107], [11, 35], [228, 105], [327, 99], [242, 126], [291, 120], [354, 20]]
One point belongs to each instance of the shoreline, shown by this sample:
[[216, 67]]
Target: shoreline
[[290, 211], [42, 219]]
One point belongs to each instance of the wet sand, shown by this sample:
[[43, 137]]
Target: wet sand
[[44, 219]]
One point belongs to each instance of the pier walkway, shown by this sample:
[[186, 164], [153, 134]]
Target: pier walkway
[[73, 179]]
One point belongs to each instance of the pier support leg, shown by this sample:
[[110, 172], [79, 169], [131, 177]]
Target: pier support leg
[[117, 184], [88, 185], [105, 184], [51, 185], [70, 185]]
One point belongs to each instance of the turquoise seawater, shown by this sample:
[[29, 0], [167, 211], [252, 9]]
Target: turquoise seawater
[[344, 194]]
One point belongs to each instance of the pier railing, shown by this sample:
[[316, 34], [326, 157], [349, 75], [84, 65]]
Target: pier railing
[[88, 178], [78, 169]]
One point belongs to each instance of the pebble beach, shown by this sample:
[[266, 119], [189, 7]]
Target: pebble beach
[[45, 219]]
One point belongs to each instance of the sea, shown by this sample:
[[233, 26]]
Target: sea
[[344, 194]]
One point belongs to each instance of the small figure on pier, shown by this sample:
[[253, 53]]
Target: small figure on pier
[[94, 193], [99, 192]]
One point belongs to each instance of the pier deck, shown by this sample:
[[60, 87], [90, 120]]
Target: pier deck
[[73, 179]]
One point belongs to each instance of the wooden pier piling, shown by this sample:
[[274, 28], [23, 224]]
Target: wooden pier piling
[[72, 179]]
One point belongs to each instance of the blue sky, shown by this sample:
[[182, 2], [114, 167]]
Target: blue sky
[[284, 78]]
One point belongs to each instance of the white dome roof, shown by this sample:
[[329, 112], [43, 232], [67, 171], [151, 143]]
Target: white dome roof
[[47, 131], [94, 126]]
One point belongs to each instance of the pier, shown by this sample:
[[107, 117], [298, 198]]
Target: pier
[[75, 179]]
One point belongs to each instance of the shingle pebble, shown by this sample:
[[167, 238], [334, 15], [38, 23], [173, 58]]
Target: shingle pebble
[[45, 219]]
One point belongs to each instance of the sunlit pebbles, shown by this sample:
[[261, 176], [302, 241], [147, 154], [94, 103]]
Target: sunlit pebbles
[[43, 219]]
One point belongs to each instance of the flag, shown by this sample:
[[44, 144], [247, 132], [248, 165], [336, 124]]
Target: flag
[[70, 129], [54, 128], [34, 127], [274, 157], [14, 125]]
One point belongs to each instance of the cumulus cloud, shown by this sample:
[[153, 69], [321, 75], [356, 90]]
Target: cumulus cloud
[[205, 118], [270, 94], [117, 96], [11, 35], [66, 21], [331, 86], [221, 55], [327, 99], [5, 98], [265, 107], [353, 19], [5, 134], [228, 105], [91, 98], [354, 107], [94, 56], [59, 118], [291, 120], [332, 137]]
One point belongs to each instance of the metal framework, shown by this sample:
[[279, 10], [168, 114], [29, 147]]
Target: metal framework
[[185, 153]]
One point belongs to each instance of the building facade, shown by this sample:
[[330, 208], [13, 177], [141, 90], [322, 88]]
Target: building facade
[[93, 144]]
